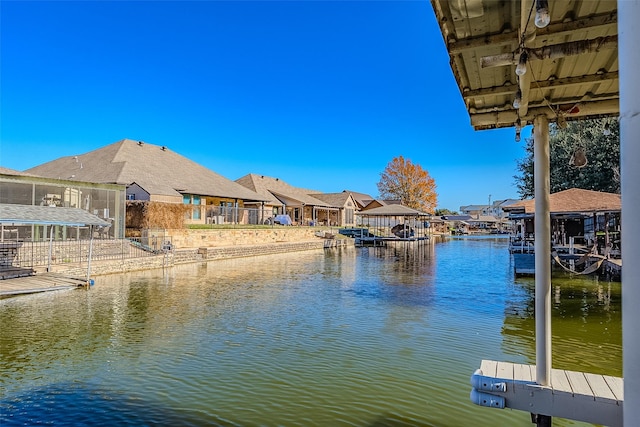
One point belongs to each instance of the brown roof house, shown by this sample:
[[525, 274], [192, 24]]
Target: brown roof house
[[154, 173], [304, 206], [361, 199], [346, 205]]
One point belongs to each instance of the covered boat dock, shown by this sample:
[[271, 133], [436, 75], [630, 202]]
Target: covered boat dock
[[585, 228], [51, 216], [535, 62], [392, 223]]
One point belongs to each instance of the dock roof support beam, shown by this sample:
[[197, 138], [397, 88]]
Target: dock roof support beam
[[542, 250], [629, 57]]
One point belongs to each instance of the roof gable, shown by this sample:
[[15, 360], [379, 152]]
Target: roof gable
[[361, 198], [279, 191]]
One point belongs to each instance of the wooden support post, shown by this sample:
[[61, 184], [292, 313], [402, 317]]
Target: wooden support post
[[542, 250]]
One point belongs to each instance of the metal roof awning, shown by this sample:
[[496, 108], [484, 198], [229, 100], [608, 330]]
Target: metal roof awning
[[48, 215], [569, 69]]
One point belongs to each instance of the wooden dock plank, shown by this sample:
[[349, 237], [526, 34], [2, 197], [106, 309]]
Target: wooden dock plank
[[38, 283], [579, 384], [601, 390], [505, 370], [523, 372], [579, 396], [616, 384], [489, 368], [559, 382]]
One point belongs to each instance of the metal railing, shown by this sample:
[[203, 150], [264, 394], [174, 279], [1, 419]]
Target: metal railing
[[27, 254], [236, 217]]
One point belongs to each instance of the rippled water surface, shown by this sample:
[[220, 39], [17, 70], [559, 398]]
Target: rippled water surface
[[348, 337]]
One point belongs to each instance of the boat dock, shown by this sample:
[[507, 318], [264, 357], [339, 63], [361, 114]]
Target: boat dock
[[579, 396], [38, 283], [382, 241]]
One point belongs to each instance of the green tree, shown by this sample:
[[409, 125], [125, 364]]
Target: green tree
[[585, 137], [444, 211], [409, 183]]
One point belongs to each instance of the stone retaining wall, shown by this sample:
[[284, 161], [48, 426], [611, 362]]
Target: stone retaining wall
[[185, 238], [202, 254]]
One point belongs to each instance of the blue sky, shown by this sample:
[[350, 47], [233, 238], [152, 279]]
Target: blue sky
[[321, 94]]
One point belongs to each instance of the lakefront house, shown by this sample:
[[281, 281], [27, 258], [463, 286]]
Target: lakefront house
[[156, 174]]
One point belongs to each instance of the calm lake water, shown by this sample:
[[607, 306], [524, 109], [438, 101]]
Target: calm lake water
[[347, 337]]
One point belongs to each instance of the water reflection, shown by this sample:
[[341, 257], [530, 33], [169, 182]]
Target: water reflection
[[346, 337], [585, 321], [401, 274]]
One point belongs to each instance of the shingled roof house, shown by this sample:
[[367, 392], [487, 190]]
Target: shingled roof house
[[304, 206], [346, 204], [362, 199], [155, 173]]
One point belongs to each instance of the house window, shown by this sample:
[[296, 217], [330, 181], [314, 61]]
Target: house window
[[192, 199], [131, 196], [348, 216]]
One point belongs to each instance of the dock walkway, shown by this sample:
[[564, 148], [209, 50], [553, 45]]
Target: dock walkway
[[579, 396], [38, 283]]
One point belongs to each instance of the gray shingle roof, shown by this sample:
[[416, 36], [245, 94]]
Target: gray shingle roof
[[474, 207], [393, 210], [27, 214], [7, 171], [277, 190], [157, 169], [336, 200]]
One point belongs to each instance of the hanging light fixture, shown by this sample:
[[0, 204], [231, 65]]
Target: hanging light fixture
[[518, 100], [607, 130], [561, 120], [518, 126], [579, 158], [521, 68], [542, 13]]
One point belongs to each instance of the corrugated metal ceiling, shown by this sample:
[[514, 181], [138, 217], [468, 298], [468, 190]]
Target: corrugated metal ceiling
[[572, 64]]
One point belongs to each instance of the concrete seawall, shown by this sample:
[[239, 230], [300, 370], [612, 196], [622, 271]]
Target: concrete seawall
[[199, 254], [215, 244]]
